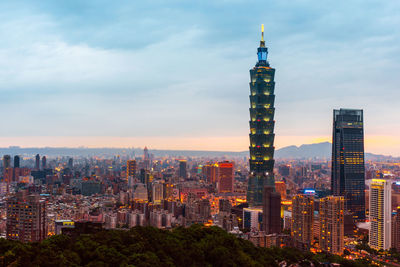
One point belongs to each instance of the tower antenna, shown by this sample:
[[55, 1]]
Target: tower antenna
[[262, 32]]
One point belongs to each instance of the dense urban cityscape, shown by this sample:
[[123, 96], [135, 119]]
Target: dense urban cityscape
[[185, 133], [345, 205]]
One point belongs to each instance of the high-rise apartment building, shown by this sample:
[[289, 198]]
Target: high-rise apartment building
[[182, 169], [331, 224], [210, 172], [26, 218], [380, 214], [348, 173], [302, 221], [130, 169], [271, 211], [261, 126], [141, 193], [395, 239], [157, 192], [225, 179]]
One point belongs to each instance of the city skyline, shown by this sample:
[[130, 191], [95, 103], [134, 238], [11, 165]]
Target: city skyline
[[176, 133], [74, 73]]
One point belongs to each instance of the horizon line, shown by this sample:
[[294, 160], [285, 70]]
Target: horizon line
[[139, 147], [381, 145]]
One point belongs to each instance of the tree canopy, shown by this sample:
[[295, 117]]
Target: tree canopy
[[148, 246]]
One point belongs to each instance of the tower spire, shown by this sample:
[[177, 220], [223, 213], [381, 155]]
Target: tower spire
[[262, 32], [262, 42]]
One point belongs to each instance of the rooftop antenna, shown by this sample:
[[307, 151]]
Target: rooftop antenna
[[262, 42], [262, 32]]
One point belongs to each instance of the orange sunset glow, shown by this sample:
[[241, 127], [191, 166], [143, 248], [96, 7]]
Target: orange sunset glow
[[378, 144]]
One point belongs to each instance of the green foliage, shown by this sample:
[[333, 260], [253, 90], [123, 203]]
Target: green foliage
[[148, 246], [364, 246]]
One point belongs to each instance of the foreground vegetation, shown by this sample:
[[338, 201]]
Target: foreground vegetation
[[147, 246]]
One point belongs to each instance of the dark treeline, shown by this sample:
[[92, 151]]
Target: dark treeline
[[148, 246]]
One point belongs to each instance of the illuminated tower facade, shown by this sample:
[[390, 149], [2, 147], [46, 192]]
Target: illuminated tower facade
[[348, 171], [302, 221], [331, 218], [226, 175], [380, 214], [211, 172], [261, 126]]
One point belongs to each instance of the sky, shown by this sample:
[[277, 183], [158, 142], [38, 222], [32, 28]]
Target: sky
[[174, 74]]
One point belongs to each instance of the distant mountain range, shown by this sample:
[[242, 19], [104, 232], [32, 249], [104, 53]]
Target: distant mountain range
[[308, 151], [320, 151]]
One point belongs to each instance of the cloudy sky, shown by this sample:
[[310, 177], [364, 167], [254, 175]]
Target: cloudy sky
[[174, 74]]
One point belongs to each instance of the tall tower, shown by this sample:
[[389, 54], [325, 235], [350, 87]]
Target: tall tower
[[261, 126], [348, 171], [380, 214]]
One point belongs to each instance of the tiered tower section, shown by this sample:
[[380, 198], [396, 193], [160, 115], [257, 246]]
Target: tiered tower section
[[261, 126]]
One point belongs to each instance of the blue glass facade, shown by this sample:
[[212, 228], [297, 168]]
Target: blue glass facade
[[348, 170]]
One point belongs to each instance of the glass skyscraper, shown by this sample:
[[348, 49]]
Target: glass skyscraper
[[261, 127], [348, 172]]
